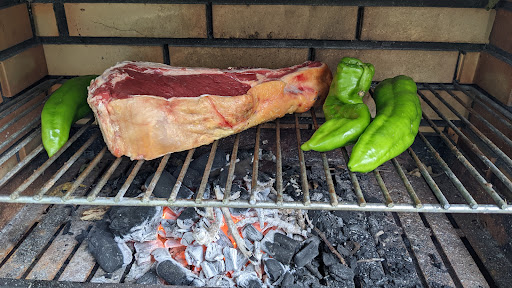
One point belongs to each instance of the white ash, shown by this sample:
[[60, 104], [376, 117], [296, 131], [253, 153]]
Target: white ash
[[143, 250], [127, 253], [205, 232], [194, 255], [137, 271]]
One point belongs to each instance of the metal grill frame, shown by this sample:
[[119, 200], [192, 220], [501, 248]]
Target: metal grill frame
[[416, 205]]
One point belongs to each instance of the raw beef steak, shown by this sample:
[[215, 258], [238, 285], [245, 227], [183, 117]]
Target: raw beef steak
[[146, 110]]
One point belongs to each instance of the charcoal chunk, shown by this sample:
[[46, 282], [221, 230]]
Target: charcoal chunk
[[273, 268], [219, 161], [251, 233], [165, 185], [307, 253], [188, 217], [284, 248], [149, 278], [287, 280], [125, 220], [192, 178], [104, 248], [173, 275], [341, 272]]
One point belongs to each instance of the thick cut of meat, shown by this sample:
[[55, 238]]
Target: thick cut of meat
[[146, 110]]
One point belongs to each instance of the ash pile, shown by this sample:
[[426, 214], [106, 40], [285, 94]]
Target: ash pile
[[230, 247]]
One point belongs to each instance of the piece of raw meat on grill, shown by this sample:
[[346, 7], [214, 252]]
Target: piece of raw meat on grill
[[146, 110]]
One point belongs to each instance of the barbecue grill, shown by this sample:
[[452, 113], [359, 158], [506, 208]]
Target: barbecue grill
[[442, 197]]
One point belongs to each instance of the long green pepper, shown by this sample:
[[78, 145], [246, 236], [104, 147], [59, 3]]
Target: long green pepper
[[64, 107], [394, 128], [346, 114]]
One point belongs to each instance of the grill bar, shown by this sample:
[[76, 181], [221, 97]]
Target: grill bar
[[388, 201], [27, 96], [183, 171], [104, 179], [476, 114], [357, 188], [455, 181], [408, 185], [231, 171], [84, 174], [328, 176], [279, 165], [472, 170], [129, 180], [46, 164], [156, 177], [472, 146], [482, 99], [288, 133], [431, 183], [206, 174], [49, 184], [13, 150], [303, 174], [484, 138], [255, 163]]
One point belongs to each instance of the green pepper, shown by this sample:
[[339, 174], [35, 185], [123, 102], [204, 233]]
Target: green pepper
[[64, 107], [394, 128], [345, 113]]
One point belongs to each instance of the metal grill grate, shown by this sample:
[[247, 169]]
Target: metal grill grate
[[453, 189]]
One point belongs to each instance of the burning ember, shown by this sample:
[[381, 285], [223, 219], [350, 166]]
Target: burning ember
[[198, 246], [225, 247]]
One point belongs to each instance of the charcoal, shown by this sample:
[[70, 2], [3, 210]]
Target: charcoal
[[307, 253], [171, 228], [341, 272], [135, 223], [329, 259], [287, 280], [104, 248], [149, 278], [230, 258], [172, 273], [251, 233], [192, 178], [224, 240], [219, 161], [241, 260], [248, 280], [213, 252], [244, 195], [165, 185], [273, 268], [194, 255], [211, 269], [188, 218], [284, 248]]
